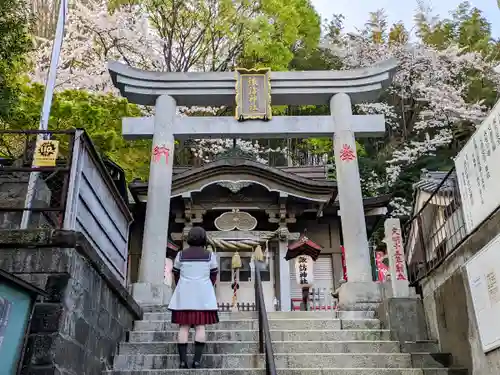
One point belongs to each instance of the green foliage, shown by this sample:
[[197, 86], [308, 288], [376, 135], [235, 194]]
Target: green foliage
[[246, 33], [99, 115], [467, 27], [280, 34], [15, 43], [296, 25]]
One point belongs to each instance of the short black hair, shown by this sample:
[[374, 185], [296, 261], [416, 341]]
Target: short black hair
[[197, 237]]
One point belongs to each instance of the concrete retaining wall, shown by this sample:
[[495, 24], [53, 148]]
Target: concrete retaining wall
[[449, 310]]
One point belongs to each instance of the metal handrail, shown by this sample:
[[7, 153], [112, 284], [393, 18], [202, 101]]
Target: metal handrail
[[265, 343]]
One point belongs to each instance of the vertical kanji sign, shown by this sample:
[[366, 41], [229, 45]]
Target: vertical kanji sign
[[397, 262]]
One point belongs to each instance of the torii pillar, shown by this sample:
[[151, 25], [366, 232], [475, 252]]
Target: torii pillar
[[340, 89]]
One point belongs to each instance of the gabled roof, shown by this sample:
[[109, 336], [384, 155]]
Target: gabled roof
[[240, 170], [303, 246]]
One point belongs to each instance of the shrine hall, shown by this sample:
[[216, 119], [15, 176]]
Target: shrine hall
[[241, 203]]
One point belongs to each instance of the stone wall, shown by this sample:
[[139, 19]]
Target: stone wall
[[13, 187], [77, 329], [448, 305]]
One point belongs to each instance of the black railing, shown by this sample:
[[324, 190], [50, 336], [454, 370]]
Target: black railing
[[294, 153], [265, 342], [437, 227], [47, 197]]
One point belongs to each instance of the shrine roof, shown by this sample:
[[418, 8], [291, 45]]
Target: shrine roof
[[245, 172], [303, 246], [313, 172], [219, 88]]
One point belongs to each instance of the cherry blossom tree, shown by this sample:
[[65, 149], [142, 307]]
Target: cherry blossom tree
[[210, 35], [428, 106], [431, 108]]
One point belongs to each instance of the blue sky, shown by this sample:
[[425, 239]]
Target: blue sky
[[356, 11]]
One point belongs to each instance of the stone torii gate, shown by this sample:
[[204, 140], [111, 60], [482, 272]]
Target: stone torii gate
[[253, 91]]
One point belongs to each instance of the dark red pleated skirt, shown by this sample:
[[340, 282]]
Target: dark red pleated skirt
[[194, 318]]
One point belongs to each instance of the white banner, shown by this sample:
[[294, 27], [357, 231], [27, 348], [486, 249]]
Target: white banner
[[478, 172]]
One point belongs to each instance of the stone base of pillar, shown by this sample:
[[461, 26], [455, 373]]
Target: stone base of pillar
[[151, 294], [359, 296], [405, 318]]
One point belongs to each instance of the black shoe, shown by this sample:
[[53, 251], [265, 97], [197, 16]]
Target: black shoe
[[198, 352], [182, 348]]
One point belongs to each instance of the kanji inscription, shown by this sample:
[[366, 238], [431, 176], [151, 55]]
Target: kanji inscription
[[159, 151], [303, 270], [253, 94], [347, 153], [398, 255]]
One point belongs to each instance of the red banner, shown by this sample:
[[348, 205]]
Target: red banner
[[382, 269]]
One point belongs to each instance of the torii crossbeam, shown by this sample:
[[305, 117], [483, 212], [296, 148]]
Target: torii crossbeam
[[338, 88]]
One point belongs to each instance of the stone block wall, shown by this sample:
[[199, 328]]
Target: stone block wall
[[76, 329], [449, 309]]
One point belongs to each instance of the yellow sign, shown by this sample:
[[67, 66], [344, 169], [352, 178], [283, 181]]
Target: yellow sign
[[46, 153]]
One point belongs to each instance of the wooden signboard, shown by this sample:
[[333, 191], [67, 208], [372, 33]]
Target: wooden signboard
[[253, 94]]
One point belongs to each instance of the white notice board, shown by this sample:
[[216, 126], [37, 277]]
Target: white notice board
[[478, 172], [483, 274]]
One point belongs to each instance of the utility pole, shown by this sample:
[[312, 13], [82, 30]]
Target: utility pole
[[47, 103]]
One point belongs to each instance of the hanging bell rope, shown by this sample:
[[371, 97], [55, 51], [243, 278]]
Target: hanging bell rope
[[235, 265], [239, 245], [235, 286]]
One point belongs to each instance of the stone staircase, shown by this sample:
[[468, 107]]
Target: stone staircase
[[309, 343]]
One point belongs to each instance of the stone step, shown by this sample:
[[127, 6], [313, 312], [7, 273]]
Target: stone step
[[420, 347], [303, 371], [276, 324], [220, 347], [296, 360], [437, 360], [276, 335], [285, 371], [161, 313]]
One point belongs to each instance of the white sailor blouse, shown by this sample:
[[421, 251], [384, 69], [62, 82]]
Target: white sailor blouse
[[195, 271]]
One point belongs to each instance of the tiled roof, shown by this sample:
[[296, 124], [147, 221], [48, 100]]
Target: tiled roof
[[430, 181], [313, 172]]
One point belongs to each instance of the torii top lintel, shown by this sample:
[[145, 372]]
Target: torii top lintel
[[218, 88]]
